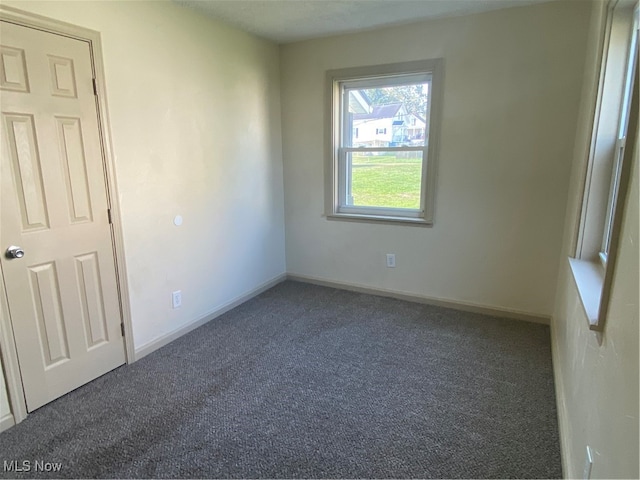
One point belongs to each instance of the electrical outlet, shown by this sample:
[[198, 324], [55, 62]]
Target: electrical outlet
[[391, 260], [176, 299], [588, 464]]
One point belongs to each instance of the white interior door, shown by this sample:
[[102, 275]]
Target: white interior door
[[62, 294]]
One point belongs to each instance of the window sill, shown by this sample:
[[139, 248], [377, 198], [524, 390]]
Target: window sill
[[352, 217], [589, 278]]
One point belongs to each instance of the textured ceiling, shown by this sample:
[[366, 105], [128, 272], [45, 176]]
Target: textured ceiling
[[285, 21]]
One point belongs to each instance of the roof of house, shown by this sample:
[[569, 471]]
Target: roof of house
[[379, 111]]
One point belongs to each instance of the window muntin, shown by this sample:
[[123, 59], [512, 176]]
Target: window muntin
[[383, 141]]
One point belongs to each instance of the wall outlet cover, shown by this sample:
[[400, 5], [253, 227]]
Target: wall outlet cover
[[391, 260], [176, 299]]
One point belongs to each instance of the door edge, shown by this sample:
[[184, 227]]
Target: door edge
[[9, 357]]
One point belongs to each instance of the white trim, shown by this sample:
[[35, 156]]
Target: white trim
[[384, 212], [561, 407], [6, 422], [163, 340], [589, 279], [399, 78], [501, 312], [382, 149], [114, 196], [9, 354], [385, 219]]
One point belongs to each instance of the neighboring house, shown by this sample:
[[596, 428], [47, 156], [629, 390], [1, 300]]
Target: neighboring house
[[416, 127], [387, 125]]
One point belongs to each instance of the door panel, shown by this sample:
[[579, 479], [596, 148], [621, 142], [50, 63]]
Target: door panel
[[62, 295], [26, 171], [13, 70], [75, 169]]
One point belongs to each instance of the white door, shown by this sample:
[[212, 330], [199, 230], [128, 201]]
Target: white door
[[62, 294]]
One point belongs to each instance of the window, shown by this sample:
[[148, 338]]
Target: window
[[378, 170], [620, 139], [612, 140]]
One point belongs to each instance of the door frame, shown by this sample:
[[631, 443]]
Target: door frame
[[8, 351]]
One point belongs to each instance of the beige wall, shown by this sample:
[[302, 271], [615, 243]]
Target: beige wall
[[597, 373], [195, 120], [511, 95]]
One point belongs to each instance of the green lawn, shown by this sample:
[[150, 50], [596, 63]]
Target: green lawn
[[386, 181]]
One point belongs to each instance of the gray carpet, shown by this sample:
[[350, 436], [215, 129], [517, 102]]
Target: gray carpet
[[312, 382]]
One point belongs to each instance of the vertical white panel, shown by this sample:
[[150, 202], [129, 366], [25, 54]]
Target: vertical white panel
[[75, 168], [90, 290], [27, 171], [48, 309]]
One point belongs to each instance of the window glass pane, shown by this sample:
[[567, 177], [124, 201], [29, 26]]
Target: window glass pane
[[394, 116], [384, 179]]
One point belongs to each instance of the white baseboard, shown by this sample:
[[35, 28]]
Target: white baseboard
[[561, 407], [440, 302], [163, 340], [6, 422]]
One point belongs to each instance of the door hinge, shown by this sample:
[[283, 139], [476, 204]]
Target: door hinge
[[95, 87], [109, 216], [122, 329]]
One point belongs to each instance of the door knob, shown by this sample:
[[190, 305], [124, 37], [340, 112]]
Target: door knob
[[14, 252]]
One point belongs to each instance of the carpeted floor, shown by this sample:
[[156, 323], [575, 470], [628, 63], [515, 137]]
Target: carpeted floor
[[306, 381]]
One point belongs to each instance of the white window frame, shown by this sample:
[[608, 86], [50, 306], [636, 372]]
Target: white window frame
[[615, 126], [338, 81], [621, 141]]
